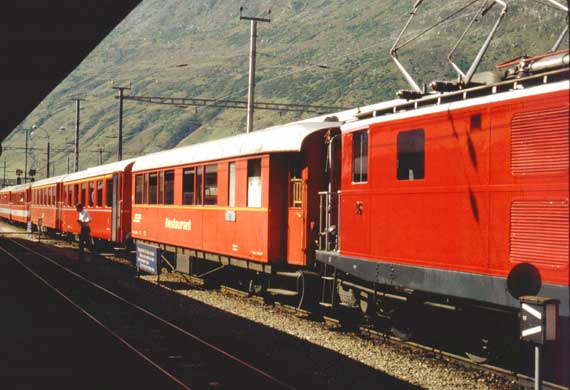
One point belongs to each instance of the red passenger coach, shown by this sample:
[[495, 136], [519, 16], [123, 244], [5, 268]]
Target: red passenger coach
[[20, 203], [241, 200], [46, 202], [5, 203], [105, 192]]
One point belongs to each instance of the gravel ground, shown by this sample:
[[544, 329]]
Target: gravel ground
[[330, 358], [406, 364]]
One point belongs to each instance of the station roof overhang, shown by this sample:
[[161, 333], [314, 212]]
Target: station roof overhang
[[41, 42]]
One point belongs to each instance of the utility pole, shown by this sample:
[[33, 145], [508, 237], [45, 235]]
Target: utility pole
[[26, 156], [100, 156], [252, 46], [76, 151], [4, 181], [121, 96], [47, 164]]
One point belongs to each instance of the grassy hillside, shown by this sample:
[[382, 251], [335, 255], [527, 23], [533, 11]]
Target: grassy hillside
[[181, 48]]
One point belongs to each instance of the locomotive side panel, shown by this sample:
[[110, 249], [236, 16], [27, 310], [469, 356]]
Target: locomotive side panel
[[464, 195]]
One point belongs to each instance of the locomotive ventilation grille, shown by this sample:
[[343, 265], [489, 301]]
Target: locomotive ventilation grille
[[540, 141], [539, 232]]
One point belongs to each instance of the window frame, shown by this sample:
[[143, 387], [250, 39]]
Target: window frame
[[362, 176], [400, 174], [193, 182]]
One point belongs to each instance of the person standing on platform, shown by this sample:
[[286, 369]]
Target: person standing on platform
[[84, 219]]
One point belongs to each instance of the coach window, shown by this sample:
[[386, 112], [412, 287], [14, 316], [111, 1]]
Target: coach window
[[152, 186], [188, 186], [70, 195], [99, 193], [360, 157], [254, 183], [199, 185], [109, 194], [83, 199], [160, 187], [232, 184], [145, 188], [138, 189], [91, 193], [211, 184], [169, 187], [411, 155], [75, 194]]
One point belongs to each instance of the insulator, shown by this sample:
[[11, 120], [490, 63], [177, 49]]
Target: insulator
[[408, 94], [444, 86]]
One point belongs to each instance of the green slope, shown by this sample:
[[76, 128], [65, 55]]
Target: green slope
[[207, 38]]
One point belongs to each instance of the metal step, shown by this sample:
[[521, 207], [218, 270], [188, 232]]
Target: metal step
[[325, 304], [281, 291], [287, 274]]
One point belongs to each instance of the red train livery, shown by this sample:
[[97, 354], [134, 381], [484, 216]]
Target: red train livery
[[105, 192], [247, 198], [19, 203], [45, 208], [467, 199]]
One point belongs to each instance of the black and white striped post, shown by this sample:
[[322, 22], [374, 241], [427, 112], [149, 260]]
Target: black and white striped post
[[538, 324]]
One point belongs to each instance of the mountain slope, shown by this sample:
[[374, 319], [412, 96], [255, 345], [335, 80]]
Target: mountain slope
[[180, 48]]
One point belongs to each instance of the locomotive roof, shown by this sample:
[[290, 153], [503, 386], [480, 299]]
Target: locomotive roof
[[47, 181], [6, 189], [99, 170], [415, 108], [286, 138]]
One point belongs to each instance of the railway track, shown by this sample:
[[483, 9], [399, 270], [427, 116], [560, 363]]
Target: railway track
[[184, 357], [519, 381]]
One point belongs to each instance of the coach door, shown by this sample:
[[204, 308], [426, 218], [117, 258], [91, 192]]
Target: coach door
[[116, 209], [296, 214]]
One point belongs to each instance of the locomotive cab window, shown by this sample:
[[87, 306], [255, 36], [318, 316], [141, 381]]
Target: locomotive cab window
[[411, 155], [360, 157]]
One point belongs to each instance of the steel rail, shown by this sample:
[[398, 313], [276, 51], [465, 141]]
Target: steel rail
[[94, 319], [156, 317]]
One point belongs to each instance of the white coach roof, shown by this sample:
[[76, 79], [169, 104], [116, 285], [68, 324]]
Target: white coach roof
[[49, 180], [100, 170], [286, 138], [20, 187]]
